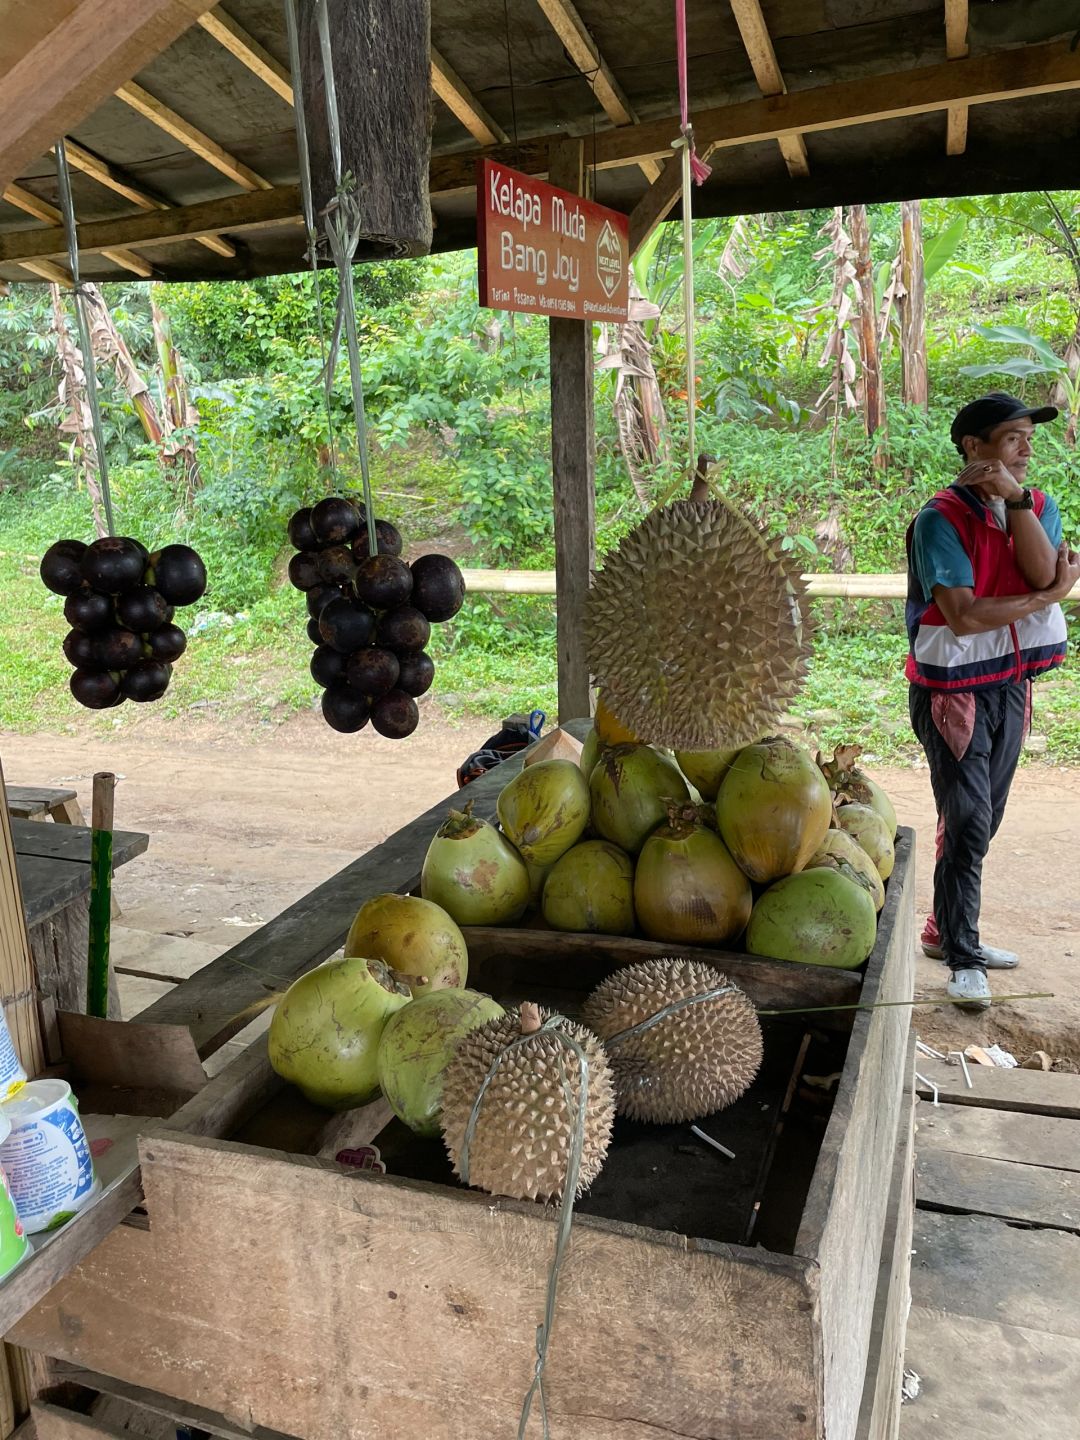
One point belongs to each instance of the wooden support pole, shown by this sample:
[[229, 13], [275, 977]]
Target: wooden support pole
[[573, 466], [911, 302]]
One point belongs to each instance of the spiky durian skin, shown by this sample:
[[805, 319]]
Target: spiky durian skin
[[524, 1131], [695, 1061], [697, 628]]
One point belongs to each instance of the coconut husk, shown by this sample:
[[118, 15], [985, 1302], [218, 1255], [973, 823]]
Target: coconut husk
[[698, 628]]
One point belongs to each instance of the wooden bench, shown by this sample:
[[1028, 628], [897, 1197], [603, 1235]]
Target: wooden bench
[[34, 802]]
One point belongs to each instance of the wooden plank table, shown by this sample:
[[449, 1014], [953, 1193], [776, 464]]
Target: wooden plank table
[[53, 862], [36, 802]]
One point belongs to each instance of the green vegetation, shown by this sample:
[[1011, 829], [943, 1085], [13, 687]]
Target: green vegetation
[[459, 414]]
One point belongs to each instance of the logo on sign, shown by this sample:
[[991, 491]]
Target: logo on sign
[[609, 266]]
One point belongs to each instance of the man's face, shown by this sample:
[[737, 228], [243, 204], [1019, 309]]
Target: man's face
[[1010, 443]]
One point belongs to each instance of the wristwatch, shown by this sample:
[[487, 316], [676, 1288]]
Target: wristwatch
[[1024, 503]]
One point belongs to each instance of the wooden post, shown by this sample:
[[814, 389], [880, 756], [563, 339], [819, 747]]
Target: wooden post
[[573, 467], [911, 302], [18, 993]]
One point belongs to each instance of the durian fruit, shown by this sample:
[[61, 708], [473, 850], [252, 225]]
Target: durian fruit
[[522, 1142], [697, 628], [696, 1060]]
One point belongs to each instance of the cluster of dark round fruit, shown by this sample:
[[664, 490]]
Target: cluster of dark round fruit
[[120, 601], [371, 615]]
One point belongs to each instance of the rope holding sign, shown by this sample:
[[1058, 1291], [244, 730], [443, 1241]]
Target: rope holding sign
[[694, 172]]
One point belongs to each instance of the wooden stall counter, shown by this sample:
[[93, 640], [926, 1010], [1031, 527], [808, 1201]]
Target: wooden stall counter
[[270, 1286]]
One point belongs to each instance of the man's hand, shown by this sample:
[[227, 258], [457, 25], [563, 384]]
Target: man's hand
[[990, 477], [1066, 574]]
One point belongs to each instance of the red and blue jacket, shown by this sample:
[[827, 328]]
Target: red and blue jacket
[[942, 660]]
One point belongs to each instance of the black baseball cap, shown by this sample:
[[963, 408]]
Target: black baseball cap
[[994, 409]]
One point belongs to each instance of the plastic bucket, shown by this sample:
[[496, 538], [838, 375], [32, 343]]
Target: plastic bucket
[[46, 1157], [12, 1074], [14, 1241]]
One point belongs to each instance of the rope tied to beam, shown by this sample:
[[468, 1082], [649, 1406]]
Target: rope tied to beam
[[82, 322], [694, 172]]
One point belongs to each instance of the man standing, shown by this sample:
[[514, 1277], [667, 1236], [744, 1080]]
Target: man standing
[[986, 570]]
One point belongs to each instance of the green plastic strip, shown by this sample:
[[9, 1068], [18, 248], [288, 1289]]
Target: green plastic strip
[[97, 969]]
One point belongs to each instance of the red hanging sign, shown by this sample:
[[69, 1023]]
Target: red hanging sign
[[545, 251]]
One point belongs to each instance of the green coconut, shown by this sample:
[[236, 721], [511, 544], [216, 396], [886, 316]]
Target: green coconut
[[839, 849], [866, 826], [590, 752], [850, 784], [687, 888], [705, 769], [415, 937], [818, 917], [591, 888], [418, 1043], [474, 873], [773, 809], [632, 787], [545, 809], [325, 1032]]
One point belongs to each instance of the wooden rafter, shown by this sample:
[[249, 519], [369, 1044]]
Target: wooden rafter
[[190, 137], [759, 49], [460, 100], [956, 48], [248, 51], [63, 58], [115, 180], [32, 204], [256, 210], [584, 52]]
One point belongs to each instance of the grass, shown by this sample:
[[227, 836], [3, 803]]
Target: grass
[[497, 657]]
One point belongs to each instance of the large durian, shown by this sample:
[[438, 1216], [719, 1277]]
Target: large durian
[[698, 1059], [521, 1143], [697, 628]]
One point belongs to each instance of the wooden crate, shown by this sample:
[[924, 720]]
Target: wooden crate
[[276, 1290]]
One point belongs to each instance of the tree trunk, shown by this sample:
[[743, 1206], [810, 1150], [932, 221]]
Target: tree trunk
[[871, 391], [77, 421], [1060, 395], [178, 414], [382, 75], [911, 300]]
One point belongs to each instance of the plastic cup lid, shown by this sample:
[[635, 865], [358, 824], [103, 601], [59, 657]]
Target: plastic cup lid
[[32, 1099]]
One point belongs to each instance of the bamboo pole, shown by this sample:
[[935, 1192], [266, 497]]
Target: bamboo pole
[[97, 969], [542, 582]]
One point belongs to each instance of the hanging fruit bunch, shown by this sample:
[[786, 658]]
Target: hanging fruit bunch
[[120, 601], [370, 615]]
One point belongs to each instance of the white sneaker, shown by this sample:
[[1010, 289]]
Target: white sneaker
[[970, 987]]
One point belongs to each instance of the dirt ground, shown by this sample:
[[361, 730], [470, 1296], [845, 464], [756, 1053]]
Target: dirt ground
[[240, 828]]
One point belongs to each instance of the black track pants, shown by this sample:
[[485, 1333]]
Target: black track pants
[[970, 789]]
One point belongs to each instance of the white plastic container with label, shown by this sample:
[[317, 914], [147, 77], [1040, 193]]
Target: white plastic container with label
[[12, 1074], [47, 1156]]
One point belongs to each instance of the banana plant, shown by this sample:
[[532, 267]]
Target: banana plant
[[1043, 361]]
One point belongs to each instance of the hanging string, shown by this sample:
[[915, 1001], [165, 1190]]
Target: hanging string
[[694, 172], [82, 321], [343, 225], [553, 1025], [308, 203], [510, 77]]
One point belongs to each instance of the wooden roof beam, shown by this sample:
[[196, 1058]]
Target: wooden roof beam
[[65, 57], [190, 137], [460, 100], [32, 204], [956, 48], [115, 180], [767, 73], [584, 52], [252, 211], [248, 51]]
